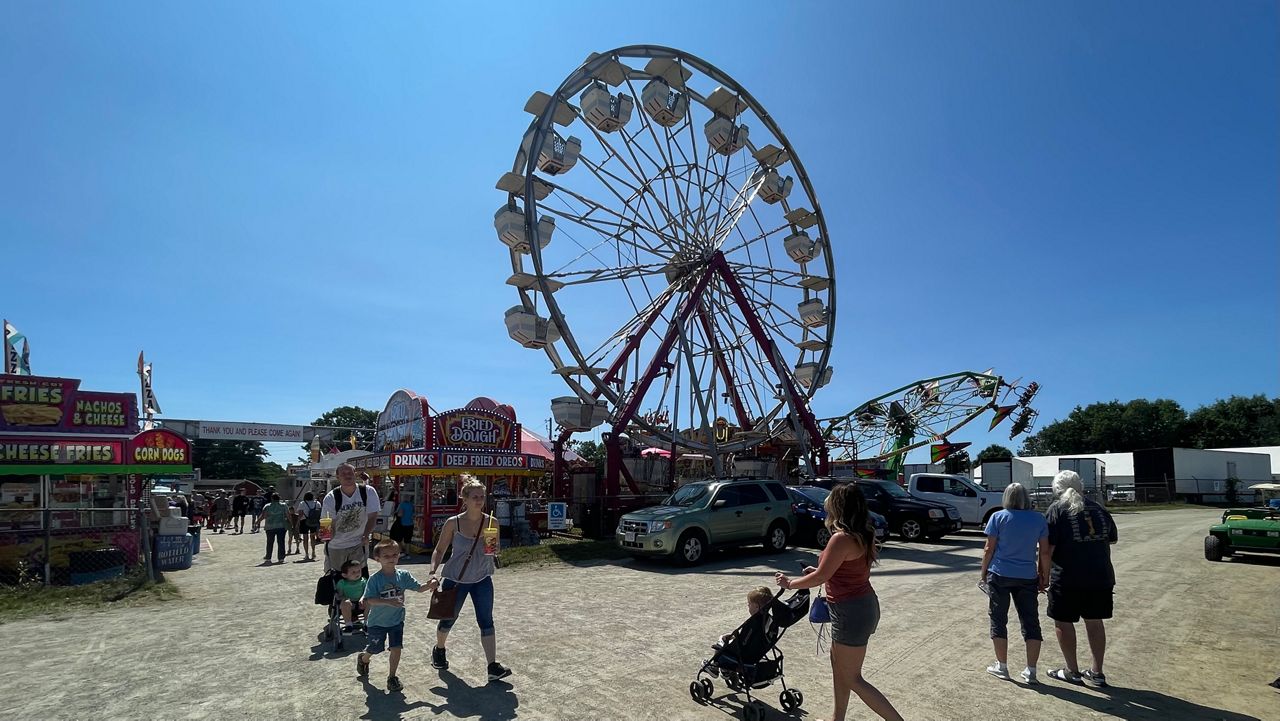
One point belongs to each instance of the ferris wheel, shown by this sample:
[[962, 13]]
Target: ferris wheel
[[885, 428], [669, 256]]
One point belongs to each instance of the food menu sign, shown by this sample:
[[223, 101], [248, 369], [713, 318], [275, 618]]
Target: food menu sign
[[159, 447], [60, 451], [475, 429], [57, 405], [402, 424]]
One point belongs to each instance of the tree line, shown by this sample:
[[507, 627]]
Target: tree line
[[1122, 427]]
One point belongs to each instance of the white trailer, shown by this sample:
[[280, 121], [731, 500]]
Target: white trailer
[[1198, 475], [1093, 472], [998, 475]]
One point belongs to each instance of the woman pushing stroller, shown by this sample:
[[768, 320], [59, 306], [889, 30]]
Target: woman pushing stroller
[[845, 567]]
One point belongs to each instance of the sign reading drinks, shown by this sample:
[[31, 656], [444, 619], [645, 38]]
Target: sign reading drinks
[[225, 431], [402, 424], [472, 428], [39, 404]]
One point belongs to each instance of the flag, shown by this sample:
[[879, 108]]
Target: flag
[[940, 451], [26, 357], [1001, 413], [150, 406], [12, 358], [353, 440]]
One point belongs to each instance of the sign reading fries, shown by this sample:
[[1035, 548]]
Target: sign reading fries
[[33, 403]]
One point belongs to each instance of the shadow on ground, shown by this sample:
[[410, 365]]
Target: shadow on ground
[[1132, 704]]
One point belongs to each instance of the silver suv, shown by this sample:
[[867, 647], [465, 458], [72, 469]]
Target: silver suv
[[706, 514]]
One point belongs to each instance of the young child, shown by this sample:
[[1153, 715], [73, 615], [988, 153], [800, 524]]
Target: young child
[[351, 589], [758, 599], [384, 616]]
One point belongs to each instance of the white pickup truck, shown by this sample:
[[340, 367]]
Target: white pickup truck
[[975, 503]]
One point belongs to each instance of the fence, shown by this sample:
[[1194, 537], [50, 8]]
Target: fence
[[70, 546]]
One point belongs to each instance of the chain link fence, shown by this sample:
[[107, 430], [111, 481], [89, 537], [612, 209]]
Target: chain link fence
[[70, 546]]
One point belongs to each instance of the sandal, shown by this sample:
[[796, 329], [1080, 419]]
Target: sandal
[[1094, 680], [1064, 674]]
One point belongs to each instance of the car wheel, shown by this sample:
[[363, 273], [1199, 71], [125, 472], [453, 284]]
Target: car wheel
[[987, 517], [691, 548], [1213, 548], [776, 539], [910, 530], [822, 536]]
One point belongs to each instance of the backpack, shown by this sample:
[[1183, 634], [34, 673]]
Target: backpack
[[313, 514], [337, 498]]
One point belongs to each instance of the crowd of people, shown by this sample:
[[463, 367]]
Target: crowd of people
[[1064, 552]]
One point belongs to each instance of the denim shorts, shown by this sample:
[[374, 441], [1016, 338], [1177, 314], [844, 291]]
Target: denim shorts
[[380, 636], [853, 620]]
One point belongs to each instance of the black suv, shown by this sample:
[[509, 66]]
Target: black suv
[[910, 517]]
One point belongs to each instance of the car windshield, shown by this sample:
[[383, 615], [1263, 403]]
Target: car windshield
[[812, 494], [688, 496], [891, 488]]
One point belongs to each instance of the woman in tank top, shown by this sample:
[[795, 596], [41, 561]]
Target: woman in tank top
[[470, 570], [845, 566]]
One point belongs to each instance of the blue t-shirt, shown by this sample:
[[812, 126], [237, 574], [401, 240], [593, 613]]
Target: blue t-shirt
[[1016, 534], [406, 513], [381, 586]]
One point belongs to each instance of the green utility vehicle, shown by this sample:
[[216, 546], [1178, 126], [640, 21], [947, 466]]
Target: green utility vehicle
[[1249, 530]]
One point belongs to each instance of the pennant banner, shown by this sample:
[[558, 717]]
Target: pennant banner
[[1002, 413], [150, 406], [12, 357]]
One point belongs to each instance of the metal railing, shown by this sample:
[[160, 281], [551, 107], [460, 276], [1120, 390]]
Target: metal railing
[[70, 546]]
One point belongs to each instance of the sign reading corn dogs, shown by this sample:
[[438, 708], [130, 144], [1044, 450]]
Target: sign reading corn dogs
[[45, 405]]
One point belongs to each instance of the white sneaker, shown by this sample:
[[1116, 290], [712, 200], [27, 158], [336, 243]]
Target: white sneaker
[[1029, 677], [996, 670]]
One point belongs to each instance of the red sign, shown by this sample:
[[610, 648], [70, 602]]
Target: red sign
[[472, 428], [39, 404], [60, 451], [462, 461], [159, 447]]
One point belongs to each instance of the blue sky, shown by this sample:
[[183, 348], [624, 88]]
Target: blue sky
[[290, 206]]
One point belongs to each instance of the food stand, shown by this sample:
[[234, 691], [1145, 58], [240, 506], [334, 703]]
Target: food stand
[[73, 468], [422, 457]]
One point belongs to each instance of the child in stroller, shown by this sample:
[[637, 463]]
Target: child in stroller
[[343, 591], [749, 658]]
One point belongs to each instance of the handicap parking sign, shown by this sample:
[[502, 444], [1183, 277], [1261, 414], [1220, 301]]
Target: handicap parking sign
[[556, 512]]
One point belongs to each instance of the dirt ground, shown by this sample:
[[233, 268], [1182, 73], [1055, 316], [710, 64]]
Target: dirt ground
[[1191, 640]]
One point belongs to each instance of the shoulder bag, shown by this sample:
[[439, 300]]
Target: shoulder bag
[[444, 603]]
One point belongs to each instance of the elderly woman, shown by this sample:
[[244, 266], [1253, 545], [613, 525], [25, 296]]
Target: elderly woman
[[1015, 564]]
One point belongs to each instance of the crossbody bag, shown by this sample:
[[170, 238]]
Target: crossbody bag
[[444, 603]]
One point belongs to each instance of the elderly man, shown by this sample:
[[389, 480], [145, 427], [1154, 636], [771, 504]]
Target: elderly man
[[354, 510]]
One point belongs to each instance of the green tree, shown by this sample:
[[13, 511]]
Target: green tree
[[346, 417], [591, 452], [994, 452], [232, 459], [1238, 421], [1113, 427], [958, 463]]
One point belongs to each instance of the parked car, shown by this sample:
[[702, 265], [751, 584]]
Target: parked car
[[710, 514], [1251, 530], [975, 503], [910, 517], [811, 516]]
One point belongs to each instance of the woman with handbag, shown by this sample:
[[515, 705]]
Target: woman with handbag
[[469, 572], [845, 567]]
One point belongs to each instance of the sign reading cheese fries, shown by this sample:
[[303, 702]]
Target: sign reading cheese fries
[[60, 451], [57, 405]]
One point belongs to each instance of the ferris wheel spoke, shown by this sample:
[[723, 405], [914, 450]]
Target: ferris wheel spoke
[[598, 275], [593, 205]]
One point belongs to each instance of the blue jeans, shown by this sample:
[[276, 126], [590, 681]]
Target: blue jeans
[[1023, 591], [275, 535], [481, 593]]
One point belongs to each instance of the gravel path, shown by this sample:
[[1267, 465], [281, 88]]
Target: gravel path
[[1191, 640]]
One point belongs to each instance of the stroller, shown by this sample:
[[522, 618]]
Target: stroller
[[327, 595], [751, 659]]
